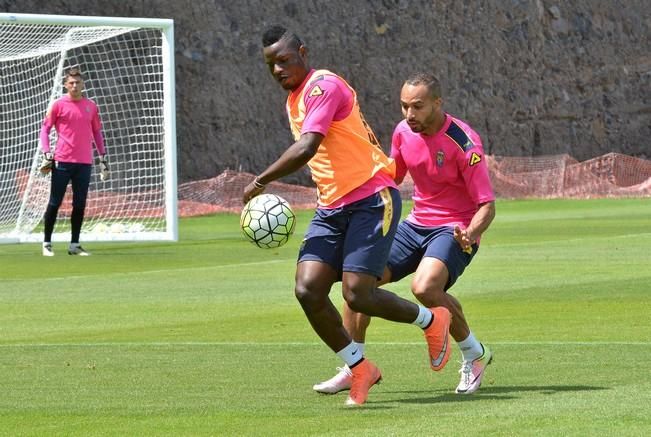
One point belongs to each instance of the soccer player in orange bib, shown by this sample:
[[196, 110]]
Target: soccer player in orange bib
[[358, 210]]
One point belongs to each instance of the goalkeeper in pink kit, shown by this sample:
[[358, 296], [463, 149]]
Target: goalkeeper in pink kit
[[453, 206], [78, 126]]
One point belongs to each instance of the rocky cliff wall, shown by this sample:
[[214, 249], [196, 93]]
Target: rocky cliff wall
[[533, 77]]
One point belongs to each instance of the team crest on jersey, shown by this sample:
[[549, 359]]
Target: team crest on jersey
[[316, 91], [475, 158], [440, 157]]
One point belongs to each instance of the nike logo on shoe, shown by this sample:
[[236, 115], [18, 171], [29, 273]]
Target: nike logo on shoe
[[476, 377], [438, 360]]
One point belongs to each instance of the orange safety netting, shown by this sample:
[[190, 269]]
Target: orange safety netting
[[561, 176], [546, 177]]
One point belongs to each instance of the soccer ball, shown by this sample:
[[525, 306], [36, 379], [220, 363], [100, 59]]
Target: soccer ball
[[267, 221]]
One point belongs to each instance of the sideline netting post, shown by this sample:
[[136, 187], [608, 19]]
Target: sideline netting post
[[128, 70]]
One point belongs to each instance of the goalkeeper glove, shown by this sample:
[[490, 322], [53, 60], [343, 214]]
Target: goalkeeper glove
[[103, 168], [46, 163]]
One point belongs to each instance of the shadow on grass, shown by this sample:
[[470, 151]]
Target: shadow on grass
[[494, 393]]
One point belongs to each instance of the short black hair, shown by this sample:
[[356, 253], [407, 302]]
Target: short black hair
[[429, 80], [275, 33]]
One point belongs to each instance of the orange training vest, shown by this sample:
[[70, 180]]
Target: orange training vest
[[349, 154]]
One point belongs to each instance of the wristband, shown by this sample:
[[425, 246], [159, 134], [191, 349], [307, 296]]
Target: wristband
[[258, 184]]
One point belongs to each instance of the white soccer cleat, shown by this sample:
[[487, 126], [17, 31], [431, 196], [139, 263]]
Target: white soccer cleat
[[77, 250], [472, 372], [47, 250], [340, 382]]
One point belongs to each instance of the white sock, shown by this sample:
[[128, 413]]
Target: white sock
[[74, 245], [424, 317], [350, 354], [360, 346], [47, 243], [471, 349]]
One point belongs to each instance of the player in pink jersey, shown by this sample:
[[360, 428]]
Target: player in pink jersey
[[453, 206], [350, 235], [78, 126]]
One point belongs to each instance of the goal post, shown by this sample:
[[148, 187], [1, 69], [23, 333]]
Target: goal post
[[128, 70]]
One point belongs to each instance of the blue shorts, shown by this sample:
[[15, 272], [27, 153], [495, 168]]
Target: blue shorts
[[355, 237], [412, 243]]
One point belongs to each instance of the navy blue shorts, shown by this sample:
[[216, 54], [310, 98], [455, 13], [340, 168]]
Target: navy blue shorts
[[412, 243], [76, 174], [355, 237]]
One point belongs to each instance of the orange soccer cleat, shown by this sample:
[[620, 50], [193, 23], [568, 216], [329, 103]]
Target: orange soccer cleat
[[437, 335], [365, 375]]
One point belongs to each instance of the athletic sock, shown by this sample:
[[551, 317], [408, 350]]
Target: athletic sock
[[360, 346], [424, 318], [471, 348], [351, 354]]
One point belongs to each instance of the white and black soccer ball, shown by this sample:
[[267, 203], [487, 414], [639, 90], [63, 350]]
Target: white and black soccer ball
[[267, 221]]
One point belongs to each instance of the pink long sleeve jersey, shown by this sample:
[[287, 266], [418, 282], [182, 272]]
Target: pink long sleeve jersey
[[78, 125]]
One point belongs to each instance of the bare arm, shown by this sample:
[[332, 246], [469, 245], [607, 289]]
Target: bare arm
[[479, 223], [295, 157]]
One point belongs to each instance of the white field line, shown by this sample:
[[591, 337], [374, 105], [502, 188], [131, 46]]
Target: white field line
[[276, 261], [162, 271], [569, 240], [310, 344]]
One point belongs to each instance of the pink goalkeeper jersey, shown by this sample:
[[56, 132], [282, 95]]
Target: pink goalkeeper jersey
[[78, 125], [449, 172]]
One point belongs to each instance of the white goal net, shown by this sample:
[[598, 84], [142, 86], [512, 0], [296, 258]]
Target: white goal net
[[128, 70]]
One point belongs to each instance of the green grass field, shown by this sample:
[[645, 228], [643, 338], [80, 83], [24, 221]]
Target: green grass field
[[205, 337]]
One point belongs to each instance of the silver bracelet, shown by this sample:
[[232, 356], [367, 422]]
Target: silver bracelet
[[257, 183]]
